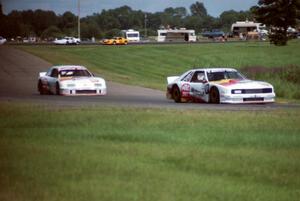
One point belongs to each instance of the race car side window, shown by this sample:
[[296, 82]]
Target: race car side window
[[188, 77], [54, 73], [198, 76], [49, 72]]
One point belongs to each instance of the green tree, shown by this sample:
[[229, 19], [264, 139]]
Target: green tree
[[42, 20], [90, 29], [279, 15], [67, 21], [199, 19], [198, 9], [173, 17], [52, 32]]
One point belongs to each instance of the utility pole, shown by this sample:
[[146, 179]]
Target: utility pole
[[78, 19], [145, 25]]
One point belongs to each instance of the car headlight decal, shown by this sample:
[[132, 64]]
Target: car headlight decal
[[236, 91]]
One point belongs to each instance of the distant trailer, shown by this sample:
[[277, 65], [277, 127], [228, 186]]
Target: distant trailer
[[176, 35], [132, 35], [243, 27]]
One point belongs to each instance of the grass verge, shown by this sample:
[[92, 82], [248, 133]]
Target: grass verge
[[97, 153]]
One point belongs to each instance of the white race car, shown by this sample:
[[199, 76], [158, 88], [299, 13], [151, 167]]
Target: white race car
[[218, 85], [2, 40], [67, 41], [70, 80]]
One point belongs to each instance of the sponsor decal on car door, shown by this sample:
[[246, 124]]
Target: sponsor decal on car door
[[198, 83]]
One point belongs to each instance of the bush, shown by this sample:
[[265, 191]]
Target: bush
[[279, 38]]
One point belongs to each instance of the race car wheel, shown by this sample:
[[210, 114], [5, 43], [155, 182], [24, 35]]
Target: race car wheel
[[214, 95], [57, 89], [176, 94], [114, 42], [41, 88]]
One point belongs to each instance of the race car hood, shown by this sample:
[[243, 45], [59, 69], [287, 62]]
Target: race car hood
[[82, 80], [241, 84]]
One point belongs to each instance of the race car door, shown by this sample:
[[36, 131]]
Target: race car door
[[52, 79], [198, 83]]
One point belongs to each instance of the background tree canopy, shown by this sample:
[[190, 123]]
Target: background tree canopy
[[279, 15], [108, 23]]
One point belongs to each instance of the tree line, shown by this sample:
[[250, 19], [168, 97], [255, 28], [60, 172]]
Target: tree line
[[108, 23], [279, 15]]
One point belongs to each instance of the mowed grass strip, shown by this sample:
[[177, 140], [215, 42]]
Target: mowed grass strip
[[149, 65], [97, 153]]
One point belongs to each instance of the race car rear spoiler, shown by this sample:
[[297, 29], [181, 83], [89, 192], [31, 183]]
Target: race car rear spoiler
[[41, 74], [172, 79]]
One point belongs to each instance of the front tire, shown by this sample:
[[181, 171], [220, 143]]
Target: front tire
[[214, 95], [176, 94]]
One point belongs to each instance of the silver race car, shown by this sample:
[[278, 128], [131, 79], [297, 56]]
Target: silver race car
[[70, 80], [218, 85]]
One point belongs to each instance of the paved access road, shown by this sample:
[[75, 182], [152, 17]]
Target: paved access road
[[19, 72]]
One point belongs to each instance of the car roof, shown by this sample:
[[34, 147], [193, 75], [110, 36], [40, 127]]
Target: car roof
[[215, 69], [69, 67]]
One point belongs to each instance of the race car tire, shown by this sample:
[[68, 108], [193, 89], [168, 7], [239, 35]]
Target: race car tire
[[176, 94], [114, 43], [41, 89], [214, 95], [57, 89]]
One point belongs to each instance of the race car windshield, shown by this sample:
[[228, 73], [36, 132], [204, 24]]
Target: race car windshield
[[74, 73], [216, 76]]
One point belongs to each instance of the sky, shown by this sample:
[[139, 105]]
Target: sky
[[88, 7]]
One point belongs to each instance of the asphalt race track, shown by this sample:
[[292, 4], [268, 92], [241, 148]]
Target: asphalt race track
[[19, 72]]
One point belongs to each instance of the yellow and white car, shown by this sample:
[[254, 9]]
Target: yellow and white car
[[115, 41]]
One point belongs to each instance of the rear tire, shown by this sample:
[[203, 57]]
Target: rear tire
[[214, 95], [41, 88], [57, 89], [176, 94]]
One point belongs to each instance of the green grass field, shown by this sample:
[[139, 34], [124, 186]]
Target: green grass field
[[120, 154], [149, 65]]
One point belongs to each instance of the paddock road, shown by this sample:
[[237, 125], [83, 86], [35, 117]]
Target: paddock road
[[19, 72]]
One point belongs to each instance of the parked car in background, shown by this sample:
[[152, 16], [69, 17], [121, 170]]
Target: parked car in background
[[218, 85], [67, 41], [70, 80], [115, 41], [215, 33], [2, 40]]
